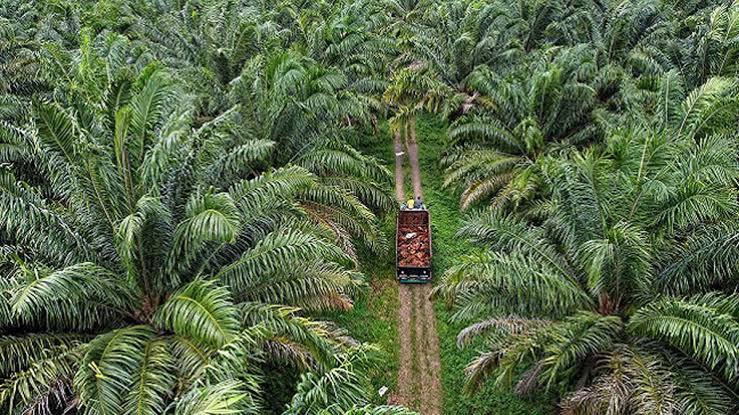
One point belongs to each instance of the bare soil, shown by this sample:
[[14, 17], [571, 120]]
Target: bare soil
[[412, 146], [399, 155], [431, 375], [404, 394]]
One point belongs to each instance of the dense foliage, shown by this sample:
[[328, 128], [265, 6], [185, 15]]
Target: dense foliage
[[179, 194], [182, 194], [599, 147]]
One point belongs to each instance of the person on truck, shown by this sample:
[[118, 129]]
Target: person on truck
[[419, 203], [410, 204]]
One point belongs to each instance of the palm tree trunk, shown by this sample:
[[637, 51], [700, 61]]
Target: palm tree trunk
[[412, 145], [399, 179]]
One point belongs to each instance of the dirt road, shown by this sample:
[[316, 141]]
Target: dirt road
[[419, 374], [399, 180], [412, 146]]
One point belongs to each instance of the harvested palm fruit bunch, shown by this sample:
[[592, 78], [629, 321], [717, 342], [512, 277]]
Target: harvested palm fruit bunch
[[413, 247]]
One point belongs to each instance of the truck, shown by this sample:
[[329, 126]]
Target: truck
[[413, 246]]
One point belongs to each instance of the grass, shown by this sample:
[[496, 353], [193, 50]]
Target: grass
[[373, 319]]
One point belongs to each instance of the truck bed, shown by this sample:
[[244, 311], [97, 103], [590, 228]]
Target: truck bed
[[413, 246]]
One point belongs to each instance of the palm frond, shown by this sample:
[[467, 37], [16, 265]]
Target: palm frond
[[702, 331], [153, 380], [104, 376], [223, 398], [200, 311]]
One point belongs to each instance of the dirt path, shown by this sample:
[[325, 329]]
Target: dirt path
[[405, 372], [399, 182], [432, 393], [419, 375], [415, 170], [412, 145]]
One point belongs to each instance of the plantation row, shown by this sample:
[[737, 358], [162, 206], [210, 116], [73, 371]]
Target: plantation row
[[184, 199]]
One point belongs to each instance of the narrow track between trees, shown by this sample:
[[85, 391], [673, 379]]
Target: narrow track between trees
[[419, 374]]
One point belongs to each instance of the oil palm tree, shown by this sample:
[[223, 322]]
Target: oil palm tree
[[303, 107], [26, 27], [631, 48], [459, 36], [20, 70], [208, 44], [546, 108], [455, 38], [597, 292], [309, 108], [713, 47], [166, 263]]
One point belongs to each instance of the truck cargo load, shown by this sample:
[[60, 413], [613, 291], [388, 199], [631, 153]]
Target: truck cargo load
[[413, 246]]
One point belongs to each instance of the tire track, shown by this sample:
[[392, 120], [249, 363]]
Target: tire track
[[432, 378], [404, 394], [420, 357], [421, 373], [419, 381]]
